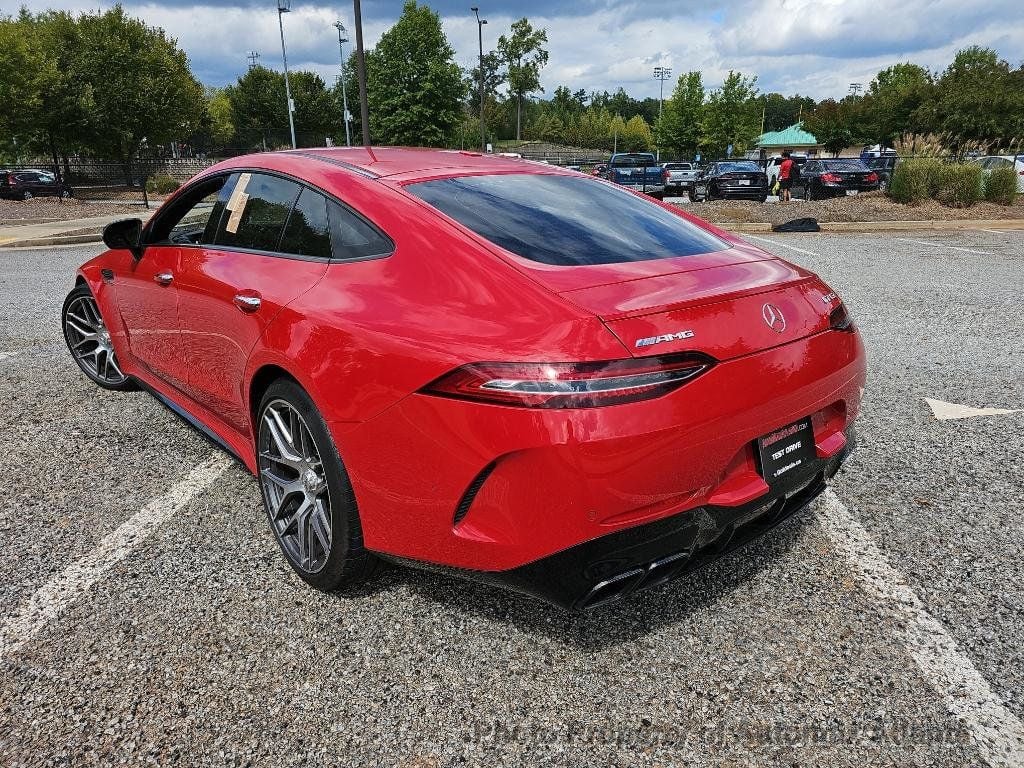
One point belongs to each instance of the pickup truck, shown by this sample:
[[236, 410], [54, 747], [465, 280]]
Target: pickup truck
[[680, 177], [639, 171]]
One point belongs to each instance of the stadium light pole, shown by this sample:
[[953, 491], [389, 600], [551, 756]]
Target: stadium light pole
[[344, 96], [283, 6], [661, 74], [480, 35], [364, 107]]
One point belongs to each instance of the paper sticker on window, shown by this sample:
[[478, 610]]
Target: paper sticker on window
[[236, 213]]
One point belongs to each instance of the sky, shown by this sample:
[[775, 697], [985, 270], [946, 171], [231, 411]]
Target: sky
[[812, 47]]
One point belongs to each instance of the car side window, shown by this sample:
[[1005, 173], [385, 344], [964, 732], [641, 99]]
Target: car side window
[[256, 210], [193, 216], [308, 231], [355, 238]]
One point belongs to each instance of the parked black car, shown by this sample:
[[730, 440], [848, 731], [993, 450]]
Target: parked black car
[[24, 185], [731, 179], [884, 167], [835, 177]]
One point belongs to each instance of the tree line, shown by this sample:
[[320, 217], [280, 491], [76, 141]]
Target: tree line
[[108, 85]]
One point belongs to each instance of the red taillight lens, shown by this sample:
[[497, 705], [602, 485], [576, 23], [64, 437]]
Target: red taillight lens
[[871, 178], [839, 319], [570, 385], [665, 175], [830, 178]]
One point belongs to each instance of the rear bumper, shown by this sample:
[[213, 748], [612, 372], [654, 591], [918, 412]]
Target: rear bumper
[[492, 488], [603, 570]]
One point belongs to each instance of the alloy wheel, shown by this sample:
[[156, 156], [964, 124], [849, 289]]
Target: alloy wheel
[[295, 486], [89, 340]]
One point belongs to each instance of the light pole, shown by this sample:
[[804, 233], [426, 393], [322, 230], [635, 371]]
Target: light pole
[[364, 107], [480, 34], [344, 96], [661, 74], [283, 6]]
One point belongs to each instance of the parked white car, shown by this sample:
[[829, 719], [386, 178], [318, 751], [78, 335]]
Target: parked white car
[[989, 163], [772, 168]]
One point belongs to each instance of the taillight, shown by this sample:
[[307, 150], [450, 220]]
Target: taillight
[[664, 175], [871, 178], [10, 179], [839, 319], [570, 385], [831, 178]]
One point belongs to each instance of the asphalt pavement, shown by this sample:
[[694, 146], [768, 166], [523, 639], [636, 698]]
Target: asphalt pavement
[[148, 617]]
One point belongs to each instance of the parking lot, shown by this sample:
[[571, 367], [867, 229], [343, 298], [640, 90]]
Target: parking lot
[[149, 617]]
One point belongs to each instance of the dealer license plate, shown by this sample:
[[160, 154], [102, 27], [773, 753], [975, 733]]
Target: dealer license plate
[[787, 451], [744, 182], [852, 192]]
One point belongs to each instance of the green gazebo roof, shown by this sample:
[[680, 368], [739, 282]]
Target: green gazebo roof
[[794, 136]]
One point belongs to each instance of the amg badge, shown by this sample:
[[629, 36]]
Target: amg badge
[[677, 336]]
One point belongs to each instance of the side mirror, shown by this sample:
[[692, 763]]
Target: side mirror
[[124, 234]]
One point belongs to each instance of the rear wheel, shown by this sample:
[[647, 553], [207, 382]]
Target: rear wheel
[[88, 338], [26, 195], [307, 493], [809, 193]]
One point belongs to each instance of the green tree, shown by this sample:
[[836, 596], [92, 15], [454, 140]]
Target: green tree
[[831, 124], [25, 74], [414, 87], [258, 105], [893, 99], [783, 111], [524, 57], [978, 98], [221, 115], [637, 135], [142, 87], [679, 130], [731, 115]]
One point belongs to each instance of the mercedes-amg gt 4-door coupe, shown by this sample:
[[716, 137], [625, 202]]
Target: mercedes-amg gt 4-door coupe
[[509, 370]]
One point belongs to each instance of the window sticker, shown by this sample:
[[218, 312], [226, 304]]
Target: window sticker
[[236, 203]]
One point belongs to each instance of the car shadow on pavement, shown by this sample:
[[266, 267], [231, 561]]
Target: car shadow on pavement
[[625, 620]]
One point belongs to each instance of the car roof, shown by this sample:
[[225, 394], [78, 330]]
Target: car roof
[[413, 162]]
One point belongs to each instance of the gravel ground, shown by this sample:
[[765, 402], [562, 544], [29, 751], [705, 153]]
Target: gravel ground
[[202, 648], [51, 208], [872, 206]]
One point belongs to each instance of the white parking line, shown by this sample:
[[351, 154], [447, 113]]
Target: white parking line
[[998, 733], [53, 598], [936, 244], [781, 245]]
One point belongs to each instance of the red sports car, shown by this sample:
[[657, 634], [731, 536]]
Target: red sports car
[[510, 370]]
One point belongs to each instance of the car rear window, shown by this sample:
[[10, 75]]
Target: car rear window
[[739, 167], [565, 220], [844, 165], [632, 161], [677, 166]]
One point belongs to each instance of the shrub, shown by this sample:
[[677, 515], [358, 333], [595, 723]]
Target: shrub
[[959, 185], [162, 184], [915, 180], [1001, 186]]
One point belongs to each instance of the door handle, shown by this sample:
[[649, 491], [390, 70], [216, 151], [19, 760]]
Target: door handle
[[248, 301], [163, 278]]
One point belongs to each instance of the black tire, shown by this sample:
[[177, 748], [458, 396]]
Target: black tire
[[74, 340], [26, 195], [809, 195], [346, 563], [763, 198]]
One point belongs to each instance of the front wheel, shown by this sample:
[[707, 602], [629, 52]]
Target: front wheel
[[307, 493], [809, 195], [88, 338]]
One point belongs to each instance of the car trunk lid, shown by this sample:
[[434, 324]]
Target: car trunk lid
[[724, 310]]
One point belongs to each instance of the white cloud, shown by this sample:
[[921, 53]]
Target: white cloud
[[814, 47]]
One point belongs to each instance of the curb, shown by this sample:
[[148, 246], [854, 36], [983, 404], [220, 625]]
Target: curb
[[95, 237]]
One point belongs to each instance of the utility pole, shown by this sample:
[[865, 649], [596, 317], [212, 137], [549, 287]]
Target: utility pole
[[364, 108], [283, 6], [344, 96], [252, 56], [480, 34], [661, 74]]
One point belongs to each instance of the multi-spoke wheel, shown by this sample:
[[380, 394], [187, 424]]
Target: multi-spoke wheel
[[306, 491], [88, 338]]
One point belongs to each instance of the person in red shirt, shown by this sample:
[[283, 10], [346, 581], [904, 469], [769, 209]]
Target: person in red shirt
[[785, 177]]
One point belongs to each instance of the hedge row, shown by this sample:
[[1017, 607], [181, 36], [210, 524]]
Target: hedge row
[[959, 185]]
